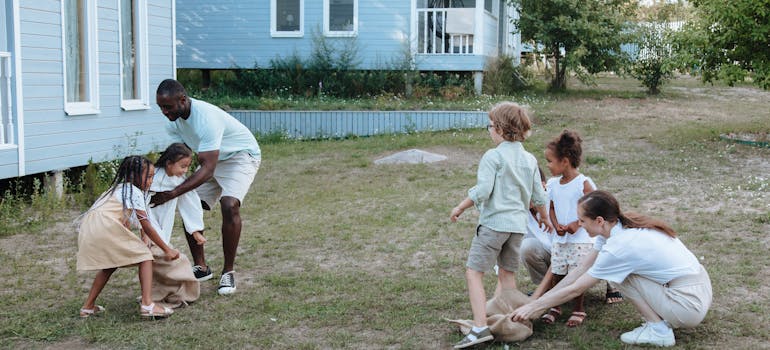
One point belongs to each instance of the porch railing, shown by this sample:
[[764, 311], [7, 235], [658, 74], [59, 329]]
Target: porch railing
[[445, 30], [6, 108]]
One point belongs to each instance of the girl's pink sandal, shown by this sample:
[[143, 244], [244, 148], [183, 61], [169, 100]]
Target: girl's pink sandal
[[550, 317]]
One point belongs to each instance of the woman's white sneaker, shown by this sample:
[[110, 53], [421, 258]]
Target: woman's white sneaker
[[645, 334]]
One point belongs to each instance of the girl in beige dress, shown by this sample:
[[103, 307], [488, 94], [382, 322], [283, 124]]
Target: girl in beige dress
[[106, 242]]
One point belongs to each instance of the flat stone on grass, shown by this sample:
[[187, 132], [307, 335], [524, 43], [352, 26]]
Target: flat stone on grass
[[412, 156]]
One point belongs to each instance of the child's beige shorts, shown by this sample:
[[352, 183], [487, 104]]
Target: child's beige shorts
[[490, 246], [232, 178]]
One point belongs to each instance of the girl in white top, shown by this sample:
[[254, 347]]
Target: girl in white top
[[172, 166], [175, 283], [105, 239], [654, 270], [572, 242]]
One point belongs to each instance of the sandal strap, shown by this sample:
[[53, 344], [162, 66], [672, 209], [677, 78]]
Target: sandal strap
[[149, 308], [97, 308]]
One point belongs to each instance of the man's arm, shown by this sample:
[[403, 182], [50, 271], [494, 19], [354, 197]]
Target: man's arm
[[208, 162]]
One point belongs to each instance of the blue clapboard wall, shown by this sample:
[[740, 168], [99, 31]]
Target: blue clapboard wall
[[331, 124]]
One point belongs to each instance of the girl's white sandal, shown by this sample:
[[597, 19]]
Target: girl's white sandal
[[149, 311], [86, 313]]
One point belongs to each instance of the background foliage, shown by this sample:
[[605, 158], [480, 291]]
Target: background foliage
[[582, 36], [728, 41]]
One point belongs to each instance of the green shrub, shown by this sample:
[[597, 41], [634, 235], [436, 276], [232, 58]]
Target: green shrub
[[655, 63], [504, 77]]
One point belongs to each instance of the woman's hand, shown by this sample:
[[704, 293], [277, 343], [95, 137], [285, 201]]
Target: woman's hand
[[527, 311]]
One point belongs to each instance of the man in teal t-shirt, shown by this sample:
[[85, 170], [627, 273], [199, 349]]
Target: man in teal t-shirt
[[229, 158]]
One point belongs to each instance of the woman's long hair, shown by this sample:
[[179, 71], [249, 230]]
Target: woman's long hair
[[602, 203]]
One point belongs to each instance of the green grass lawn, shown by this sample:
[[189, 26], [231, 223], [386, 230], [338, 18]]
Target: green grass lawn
[[337, 252]]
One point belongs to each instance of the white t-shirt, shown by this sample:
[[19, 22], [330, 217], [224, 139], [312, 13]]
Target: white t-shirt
[[565, 203], [646, 252], [209, 128], [135, 199], [189, 205]]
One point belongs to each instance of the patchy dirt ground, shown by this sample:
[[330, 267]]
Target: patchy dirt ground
[[346, 254]]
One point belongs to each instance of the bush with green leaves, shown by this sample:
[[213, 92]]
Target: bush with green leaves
[[654, 63], [728, 41], [504, 77]]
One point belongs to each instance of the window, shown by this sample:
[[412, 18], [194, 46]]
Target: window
[[340, 17], [287, 18], [134, 79], [81, 83], [492, 6]]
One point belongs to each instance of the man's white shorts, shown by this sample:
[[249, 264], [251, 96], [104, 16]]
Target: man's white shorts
[[232, 178]]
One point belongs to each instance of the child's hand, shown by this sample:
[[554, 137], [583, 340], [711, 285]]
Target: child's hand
[[572, 227], [146, 240], [561, 230], [198, 236], [545, 224], [171, 254], [456, 211]]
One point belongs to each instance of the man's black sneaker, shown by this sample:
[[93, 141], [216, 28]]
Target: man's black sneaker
[[202, 274], [227, 283]]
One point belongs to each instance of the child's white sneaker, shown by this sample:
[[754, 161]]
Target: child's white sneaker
[[645, 334]]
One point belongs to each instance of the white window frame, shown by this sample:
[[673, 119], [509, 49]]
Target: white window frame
[[142, 59], [92, 63], [274, 32], [340, 33]]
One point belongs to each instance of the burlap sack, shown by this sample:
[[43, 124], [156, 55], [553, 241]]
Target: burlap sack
[[499, 310], [506, 302]]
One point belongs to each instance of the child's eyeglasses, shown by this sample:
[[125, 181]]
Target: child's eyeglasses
[[490, 127]]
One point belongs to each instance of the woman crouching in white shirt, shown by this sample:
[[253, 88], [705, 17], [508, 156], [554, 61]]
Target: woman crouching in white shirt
[[652, 268]]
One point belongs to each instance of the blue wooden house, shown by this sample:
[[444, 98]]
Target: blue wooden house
[[77, 81], [442, 35]]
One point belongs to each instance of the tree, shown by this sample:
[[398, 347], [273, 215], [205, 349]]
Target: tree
[[582, 36], [728, 41]]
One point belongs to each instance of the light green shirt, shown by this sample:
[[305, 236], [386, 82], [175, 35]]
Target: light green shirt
[[209, 128], [508, 179]]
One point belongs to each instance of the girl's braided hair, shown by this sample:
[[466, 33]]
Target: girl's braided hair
[[132, 170]]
